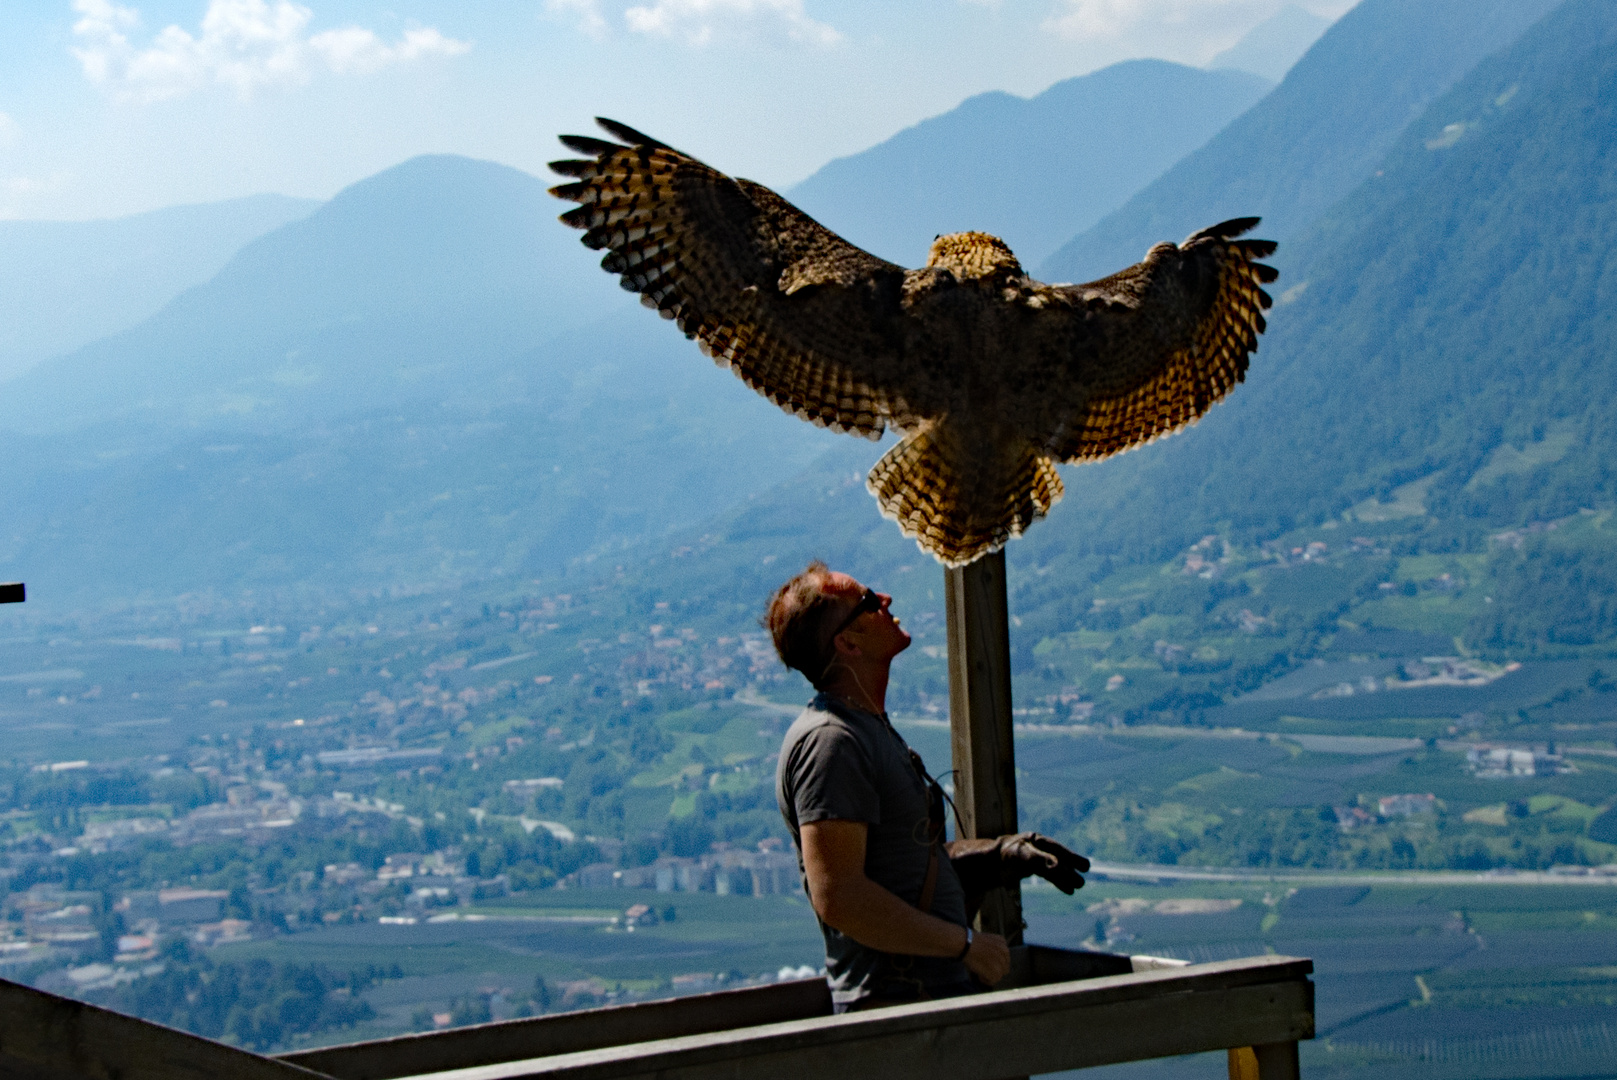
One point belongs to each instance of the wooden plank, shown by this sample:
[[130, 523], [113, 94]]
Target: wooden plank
[[567, 1033], [46, 1037], [616, 1025], [1103, 1021], [980, 719]]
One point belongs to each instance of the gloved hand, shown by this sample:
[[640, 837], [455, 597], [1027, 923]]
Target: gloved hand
[[1005, 860]]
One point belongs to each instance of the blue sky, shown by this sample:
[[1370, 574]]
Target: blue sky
[[110, 107]]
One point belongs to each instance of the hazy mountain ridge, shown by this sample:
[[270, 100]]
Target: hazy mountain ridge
[[423, 281], [1315, 137], [1030, 170], [413, 385], [64, 284], [1270, 48]]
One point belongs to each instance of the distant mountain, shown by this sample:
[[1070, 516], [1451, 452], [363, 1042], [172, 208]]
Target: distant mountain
[[416, 384], [420, 282], [1033, 171], [1316, 137], [64, 284], [1270, 48]]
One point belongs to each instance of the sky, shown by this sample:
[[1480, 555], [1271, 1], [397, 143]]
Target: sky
[[109, 108]]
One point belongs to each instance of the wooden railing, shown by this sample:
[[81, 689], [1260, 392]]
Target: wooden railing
[[1073, 1010]]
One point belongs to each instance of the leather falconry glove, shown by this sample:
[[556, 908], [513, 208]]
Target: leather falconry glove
[[982, 865]]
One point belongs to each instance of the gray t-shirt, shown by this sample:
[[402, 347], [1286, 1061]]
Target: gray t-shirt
[[839, 763]]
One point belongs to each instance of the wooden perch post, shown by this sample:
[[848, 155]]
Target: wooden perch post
[[978, 613]]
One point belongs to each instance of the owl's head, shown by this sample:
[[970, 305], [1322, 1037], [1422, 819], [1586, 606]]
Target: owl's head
[[973, 255]]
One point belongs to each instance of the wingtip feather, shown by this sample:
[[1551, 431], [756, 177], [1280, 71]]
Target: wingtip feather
[[637, 139], [585, 144], [1224, 230], [574, 167]]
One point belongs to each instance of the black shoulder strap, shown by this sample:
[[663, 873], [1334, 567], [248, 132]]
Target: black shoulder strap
[[934, 828]]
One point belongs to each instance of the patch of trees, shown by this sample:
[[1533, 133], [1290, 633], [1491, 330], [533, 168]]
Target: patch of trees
[[257, 1004]]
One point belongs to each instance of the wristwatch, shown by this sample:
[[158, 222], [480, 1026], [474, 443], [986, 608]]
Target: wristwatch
[[967, 948]]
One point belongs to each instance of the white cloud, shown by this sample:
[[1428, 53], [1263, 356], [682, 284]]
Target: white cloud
[[356, 49], [585, 14], [21, 196], [244, 45], [1104, 20], [697, 22], [31, 186]]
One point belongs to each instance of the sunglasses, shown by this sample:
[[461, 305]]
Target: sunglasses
[[869, 601]]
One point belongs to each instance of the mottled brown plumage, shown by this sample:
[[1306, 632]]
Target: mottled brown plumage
[[992, 377]]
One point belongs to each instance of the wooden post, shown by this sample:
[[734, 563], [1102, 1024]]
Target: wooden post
[[1277, 1061], [980, 719]]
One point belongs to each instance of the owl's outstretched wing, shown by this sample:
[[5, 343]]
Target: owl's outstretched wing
[[808, 320], [1163, 340]]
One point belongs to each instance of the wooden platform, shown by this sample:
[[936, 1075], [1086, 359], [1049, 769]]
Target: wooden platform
[[1074, 1010]]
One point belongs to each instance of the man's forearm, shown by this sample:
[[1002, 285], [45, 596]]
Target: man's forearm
[[877, 919]]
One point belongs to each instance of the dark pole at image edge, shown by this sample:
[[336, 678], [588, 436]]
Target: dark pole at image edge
[[13, 592]]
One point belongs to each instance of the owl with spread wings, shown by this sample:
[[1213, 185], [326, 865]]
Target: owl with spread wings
[[992, 378]]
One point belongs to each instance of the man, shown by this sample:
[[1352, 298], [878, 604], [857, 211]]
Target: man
[[894, 902]]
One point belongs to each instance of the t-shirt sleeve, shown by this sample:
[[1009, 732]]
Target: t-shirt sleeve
[[831, 779]]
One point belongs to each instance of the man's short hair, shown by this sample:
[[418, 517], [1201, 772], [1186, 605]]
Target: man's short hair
[[797, 621]]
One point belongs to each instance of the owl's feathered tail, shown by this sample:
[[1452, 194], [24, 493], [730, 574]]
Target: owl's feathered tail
[[957, 505]]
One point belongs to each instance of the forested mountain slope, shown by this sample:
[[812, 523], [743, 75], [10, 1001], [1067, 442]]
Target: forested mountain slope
[[1449, 322], [1316, 136]]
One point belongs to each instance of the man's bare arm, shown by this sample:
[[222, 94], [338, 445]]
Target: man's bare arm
[[847, 900]]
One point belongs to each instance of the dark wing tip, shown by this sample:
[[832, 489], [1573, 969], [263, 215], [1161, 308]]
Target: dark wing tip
[[1235, 226], [583, 144], [574, 167], [629, 135], [573, 192], [1225, 230]]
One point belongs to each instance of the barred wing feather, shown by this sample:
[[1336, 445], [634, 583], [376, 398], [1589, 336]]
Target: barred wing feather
[[1175, 334], [806, 319]]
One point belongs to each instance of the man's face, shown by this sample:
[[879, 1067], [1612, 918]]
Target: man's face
[[876, 634]]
